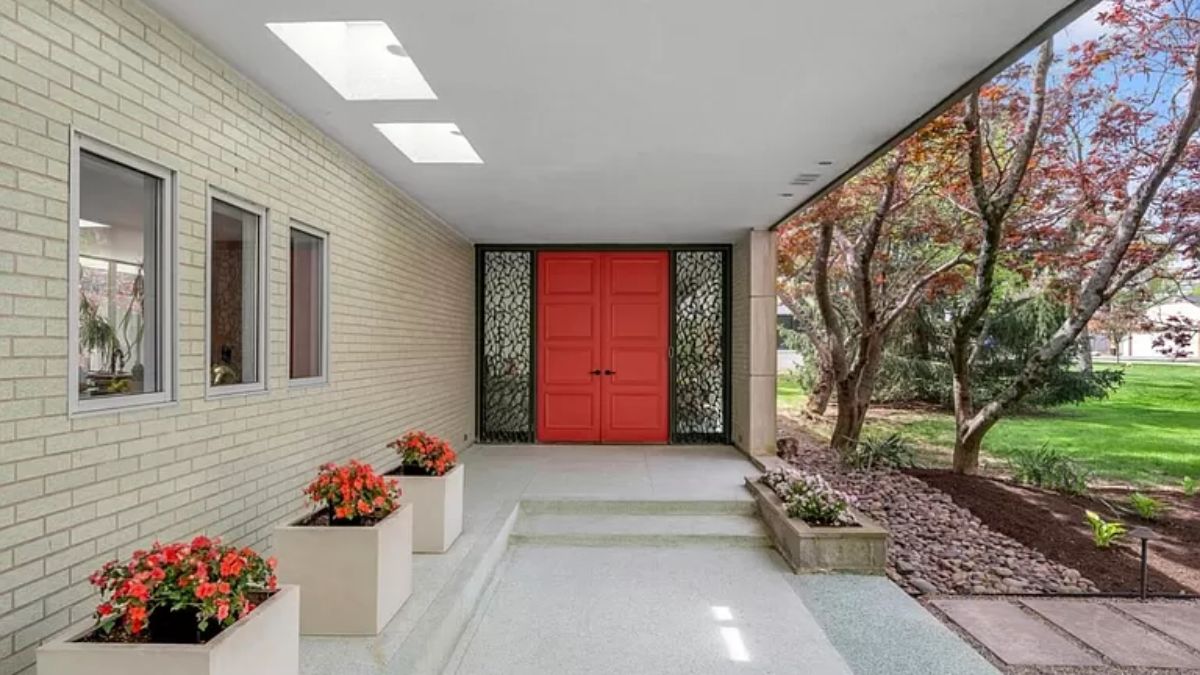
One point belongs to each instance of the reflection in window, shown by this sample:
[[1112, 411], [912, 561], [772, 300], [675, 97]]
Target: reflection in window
[[234, 291], [306, 310], [118, 233]]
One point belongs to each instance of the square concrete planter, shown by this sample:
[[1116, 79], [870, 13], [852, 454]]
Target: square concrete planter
[[264, 642], [859, 550], [354, 578], [437, 508]]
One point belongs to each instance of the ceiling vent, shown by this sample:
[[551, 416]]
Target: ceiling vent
[[805, 179]]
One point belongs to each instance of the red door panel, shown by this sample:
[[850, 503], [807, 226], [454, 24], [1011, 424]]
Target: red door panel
[[568, 326], [602, 313], [634, 345]]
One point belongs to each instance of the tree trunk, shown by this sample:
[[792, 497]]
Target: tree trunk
[[966, 454], [851, 412], [822, 389], [1085, 351]]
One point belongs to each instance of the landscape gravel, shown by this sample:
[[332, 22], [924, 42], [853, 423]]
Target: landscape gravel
[[936, 546]]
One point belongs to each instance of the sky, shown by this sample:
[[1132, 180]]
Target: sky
[[1085, 27]]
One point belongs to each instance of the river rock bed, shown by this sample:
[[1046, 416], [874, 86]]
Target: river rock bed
[[936, 546]]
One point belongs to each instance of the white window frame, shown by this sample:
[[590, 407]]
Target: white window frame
[[262, 308], [323, 378], [167, 316]]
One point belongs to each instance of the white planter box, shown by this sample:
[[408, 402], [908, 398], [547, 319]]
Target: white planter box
[[264, 642], [438, 509], [354, 578]]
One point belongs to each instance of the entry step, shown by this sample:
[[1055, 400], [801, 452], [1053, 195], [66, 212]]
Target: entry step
[[602, 529], [641, 507]]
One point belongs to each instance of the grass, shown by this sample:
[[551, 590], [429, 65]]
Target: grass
[[1147, 432]]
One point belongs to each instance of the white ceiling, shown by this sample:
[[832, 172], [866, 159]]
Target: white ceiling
[[635, 121]]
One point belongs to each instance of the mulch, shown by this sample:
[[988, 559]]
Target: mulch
[[1054, 524]]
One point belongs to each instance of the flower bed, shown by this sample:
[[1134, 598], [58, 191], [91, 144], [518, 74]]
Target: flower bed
[[432, 481], [353, 556], [810, 498], [184, 607], [815, 527]]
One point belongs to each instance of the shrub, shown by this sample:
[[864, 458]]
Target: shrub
[[1147, 507], [810, 498], [354, 494], [424, 454], [204, 579], [1104, 533], [1190, 486], [871, 453], [1048, 468]]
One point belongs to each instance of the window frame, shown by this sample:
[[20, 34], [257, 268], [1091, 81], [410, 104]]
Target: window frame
[[168, 272], [326, 258], [262, 315]]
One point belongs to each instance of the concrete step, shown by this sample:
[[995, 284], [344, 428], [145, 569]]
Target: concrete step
[[600, 529], [644, 507]]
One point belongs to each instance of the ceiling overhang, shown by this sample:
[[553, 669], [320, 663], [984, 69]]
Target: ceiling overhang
[[632, 122]]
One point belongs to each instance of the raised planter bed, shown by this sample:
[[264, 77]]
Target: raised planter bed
[[437, 508], [355, 579], [861, 549], [264, 642]]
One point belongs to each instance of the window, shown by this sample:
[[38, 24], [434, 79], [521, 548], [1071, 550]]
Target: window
[[236, 300], [121, 305], [308, 306]]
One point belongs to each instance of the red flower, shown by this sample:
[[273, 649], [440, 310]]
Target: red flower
[[430, 454], [135, 619], [353, 491]]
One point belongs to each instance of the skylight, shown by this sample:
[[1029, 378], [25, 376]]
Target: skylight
[[361, 60], [430, 142]]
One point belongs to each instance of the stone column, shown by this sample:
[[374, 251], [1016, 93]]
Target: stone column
[[754, 358]]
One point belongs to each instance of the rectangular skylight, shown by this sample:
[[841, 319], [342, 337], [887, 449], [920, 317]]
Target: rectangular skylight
[[361, 60], [430, 142]]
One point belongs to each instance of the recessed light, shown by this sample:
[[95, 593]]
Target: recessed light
[[430, 142], [825, 162], [361, 60]]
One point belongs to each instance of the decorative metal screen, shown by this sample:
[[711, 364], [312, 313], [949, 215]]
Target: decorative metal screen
[[700, 363], [506, 353]]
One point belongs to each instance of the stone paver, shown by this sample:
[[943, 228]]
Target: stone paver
[[1015, 637], [1181, 622], [1116, 637]]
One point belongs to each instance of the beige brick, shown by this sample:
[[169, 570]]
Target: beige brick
[[117, 480], [41, 630]]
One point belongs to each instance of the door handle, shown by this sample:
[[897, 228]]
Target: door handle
[[610, 372], [596, 372]]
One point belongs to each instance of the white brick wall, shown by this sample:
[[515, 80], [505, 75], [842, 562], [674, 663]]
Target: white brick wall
[[76, 492]]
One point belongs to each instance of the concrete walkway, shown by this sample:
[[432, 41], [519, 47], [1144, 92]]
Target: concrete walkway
[[1096, 634], [632, 560]]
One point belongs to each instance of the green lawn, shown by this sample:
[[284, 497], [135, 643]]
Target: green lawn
[[1147, 432]]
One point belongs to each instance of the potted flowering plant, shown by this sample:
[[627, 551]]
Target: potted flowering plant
[[432, 480], [186, 607], [352, 555]]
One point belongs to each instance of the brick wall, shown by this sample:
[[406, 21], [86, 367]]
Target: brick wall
[[75, 492]]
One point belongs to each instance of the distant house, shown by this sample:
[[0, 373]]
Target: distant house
[[1140, 345]]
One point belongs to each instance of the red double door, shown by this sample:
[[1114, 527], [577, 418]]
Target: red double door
[[602, 343]]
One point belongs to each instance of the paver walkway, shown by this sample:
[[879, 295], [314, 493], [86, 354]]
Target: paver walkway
[[1060, 632]]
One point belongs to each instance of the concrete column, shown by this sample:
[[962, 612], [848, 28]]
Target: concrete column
[[754, 343]]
